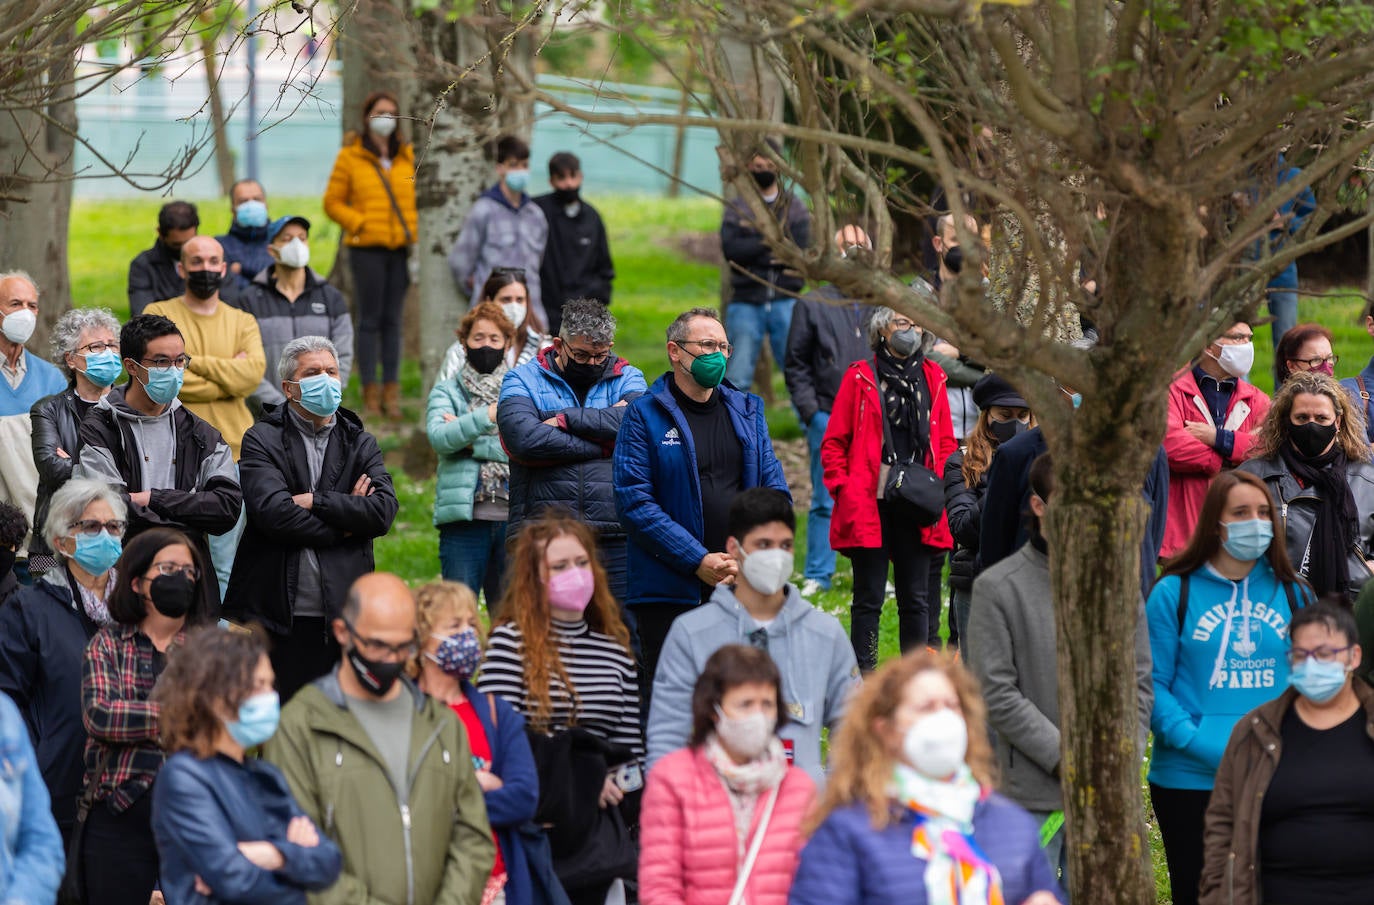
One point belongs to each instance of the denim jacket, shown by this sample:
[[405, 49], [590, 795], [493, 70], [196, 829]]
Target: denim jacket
[[31, 857]]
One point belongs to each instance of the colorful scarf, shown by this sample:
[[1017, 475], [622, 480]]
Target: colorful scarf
[[957, 871], [745, 783], [483, 390]]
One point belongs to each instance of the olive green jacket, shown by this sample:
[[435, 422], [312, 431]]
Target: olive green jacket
[[432, 846]]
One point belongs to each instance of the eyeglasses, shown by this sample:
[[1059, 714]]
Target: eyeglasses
[[92, 527], [96, 348], [376, 649], [180, 362], [708, 346], [172, 568], [902, 323], [1313, 364], [1320, 654], [583, 357]]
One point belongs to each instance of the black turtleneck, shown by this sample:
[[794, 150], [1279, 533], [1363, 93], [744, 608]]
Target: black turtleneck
[[720, 462]]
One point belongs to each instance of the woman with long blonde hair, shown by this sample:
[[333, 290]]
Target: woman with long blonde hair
[[909, 815]]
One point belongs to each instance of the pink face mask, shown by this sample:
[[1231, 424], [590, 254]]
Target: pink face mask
[[1327, 368], [571, 589]]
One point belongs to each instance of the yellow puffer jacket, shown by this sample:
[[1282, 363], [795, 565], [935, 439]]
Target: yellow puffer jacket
[[357, 200]]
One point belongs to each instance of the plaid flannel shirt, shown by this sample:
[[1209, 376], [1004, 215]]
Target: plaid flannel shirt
[[116, 682]]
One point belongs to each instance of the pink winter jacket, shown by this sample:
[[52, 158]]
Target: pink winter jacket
[[688, 852]]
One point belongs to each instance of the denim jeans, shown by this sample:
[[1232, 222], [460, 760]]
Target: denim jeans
[[746, 325], [474, 553], [223, 548], [820, 559], [1283, 304]]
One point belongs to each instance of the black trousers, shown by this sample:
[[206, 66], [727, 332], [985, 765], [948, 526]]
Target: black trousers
[[380, 280], [1181, 814], [302, 656], [936, 601], [119, 854], [910, 559], [652, 620]]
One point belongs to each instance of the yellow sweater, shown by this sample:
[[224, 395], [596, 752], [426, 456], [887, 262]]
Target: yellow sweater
[[217, 381]]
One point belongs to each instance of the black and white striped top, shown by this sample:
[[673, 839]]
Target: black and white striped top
[[600, 670]]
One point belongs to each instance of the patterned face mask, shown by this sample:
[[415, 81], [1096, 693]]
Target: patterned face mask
[[458, 654]]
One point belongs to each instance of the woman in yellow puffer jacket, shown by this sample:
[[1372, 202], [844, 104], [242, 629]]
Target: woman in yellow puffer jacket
[[371, 194]]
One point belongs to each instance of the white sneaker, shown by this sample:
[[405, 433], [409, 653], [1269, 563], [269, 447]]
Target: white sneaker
[[810, 588]]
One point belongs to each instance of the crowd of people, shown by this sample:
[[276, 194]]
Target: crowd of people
[[619, 690]]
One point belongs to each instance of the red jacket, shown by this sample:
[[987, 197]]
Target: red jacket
[[1192, 463], [689, 851], [852, 452]]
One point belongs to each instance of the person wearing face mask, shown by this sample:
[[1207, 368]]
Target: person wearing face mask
[[1292, 814], [290, 300], [318, 494], [472, 482], [1002, 416], [685, 450], [371, 195], [1214, 413], [1306, 347], [1013, 650], [560, 654], [722, 816], [226, 825], [245, 244], [559, 417], [383, 769], [171, 468], [154, 601], [1312, 454], [153, 275], [507, 288], [504, 228], [1361, 386], [910, 815], [890, 410], [1218, 621], [45, 628], [577, 257], [450, 651], [816, 662], [85, 344]]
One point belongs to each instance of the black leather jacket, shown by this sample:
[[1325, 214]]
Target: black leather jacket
[[964, 509], [56, 425]]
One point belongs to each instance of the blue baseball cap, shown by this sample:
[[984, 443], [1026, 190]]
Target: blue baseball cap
[[279, 224]]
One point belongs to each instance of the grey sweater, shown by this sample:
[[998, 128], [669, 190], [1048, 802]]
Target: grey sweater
[[1012, 647]]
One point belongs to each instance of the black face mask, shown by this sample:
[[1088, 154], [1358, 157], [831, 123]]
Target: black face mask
[[375, 677], [1311, 439], [582, 377], [953, 259], [566, 196], [172, 594], [203, 283], [173, 252], [484, 359], [1005, 430], [764, 179]]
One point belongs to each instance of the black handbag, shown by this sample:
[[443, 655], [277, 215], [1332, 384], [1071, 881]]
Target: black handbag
[[73, 888], [910, 485]]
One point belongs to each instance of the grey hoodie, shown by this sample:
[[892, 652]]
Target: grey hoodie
[[811, 649]]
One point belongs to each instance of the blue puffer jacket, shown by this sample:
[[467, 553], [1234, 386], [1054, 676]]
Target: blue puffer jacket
[[568, 465], [658, 488], [848, 862], [463, 444], [31, 858], [202, 810], [247, 247]]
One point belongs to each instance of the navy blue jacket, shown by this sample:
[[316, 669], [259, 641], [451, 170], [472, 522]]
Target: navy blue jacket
[[1007, 501], [1363, 402], [658, 488], [247, 247], [202, 810], [848, 862]]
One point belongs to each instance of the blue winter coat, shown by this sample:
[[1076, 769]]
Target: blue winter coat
[[31, 857], [463, 444], [567, 466], [658, 488], [202, 810], [848, 862], [247, 247]]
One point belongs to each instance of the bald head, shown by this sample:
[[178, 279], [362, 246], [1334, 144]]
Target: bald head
[[380, 598], [201, 248], [850, 236]]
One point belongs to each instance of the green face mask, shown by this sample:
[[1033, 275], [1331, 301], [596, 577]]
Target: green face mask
[[709, 370]]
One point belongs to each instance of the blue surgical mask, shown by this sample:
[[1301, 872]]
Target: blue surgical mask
[[320, 394], [252, 214], [1318, 681], [1248, 540], [97, 553], [163, 384], [103, 367], [257, 722], [517, 180]]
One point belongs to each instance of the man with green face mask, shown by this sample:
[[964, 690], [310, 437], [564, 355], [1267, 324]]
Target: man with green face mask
[[684, 450]]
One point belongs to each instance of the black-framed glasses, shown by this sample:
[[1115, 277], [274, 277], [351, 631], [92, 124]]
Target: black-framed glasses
[[1312, 364], [708, 346], [92, 526], [1298, 655], [376, 649], [173, 568], [583, 357], [96, 348], [180, 362]]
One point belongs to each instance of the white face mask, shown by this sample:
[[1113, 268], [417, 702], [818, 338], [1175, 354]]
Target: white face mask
[[295, 253], [19, 325], [1236, 360], [516, 311], [745, 736], [382, 125], [767, 570], [936, 744]]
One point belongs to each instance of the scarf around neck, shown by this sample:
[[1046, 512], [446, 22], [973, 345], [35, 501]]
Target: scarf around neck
[[745, 783], [1332, 538], [493, 481], [906, 404], [957, 870]]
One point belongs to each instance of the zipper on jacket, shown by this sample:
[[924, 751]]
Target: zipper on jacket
[[405, 813], [1231, 878]]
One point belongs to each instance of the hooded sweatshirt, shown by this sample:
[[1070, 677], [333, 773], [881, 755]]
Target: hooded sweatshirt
[[1230, 657], [812, 652]]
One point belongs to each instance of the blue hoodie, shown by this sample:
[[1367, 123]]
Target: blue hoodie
[[1230, 657]]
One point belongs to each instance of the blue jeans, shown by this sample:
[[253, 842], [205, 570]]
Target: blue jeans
[[223, 548], [746, 324], [1283, 304], [820, 559], [474, 553]]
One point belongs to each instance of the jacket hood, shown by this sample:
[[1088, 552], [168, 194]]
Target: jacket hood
[[268, 277], [114, 402], [794, 608], [329, 686], [612, 367], [495, 194]]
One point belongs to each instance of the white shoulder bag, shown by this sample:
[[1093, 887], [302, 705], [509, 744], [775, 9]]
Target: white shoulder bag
[[737, 897]]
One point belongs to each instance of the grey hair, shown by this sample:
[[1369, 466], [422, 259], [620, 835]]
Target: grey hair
[[677, 330], [882, 319], [286, 365], [21, 275], [588, 319], [70, 500], [66, 333]]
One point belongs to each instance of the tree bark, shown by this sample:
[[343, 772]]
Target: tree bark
[[219, 124]]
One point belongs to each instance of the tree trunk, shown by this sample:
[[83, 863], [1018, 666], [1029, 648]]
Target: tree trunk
[[219, 125]]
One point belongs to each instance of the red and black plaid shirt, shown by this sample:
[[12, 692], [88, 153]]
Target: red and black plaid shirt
[[120, 670]]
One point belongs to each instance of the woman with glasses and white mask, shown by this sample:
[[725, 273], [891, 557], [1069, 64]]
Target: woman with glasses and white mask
[[85, 345], [156, 597], [1292, 812], [45, 628]]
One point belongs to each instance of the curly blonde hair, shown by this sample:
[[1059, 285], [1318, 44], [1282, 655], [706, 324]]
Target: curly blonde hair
[[1273, 433], [435, 604]]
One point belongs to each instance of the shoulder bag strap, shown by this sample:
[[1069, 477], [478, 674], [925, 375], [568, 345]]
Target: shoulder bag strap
[[391, 196], [737, 897], [1182, 599]]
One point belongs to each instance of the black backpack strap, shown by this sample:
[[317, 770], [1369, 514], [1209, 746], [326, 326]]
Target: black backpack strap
[[1182, 600]]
